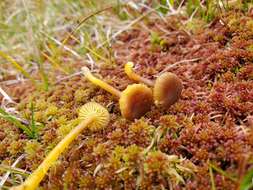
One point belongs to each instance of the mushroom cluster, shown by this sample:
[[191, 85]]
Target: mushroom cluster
[[134, 101], [137, 99], [167, 86]]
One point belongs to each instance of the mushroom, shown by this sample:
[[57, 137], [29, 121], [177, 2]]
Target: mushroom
[[134, 101], [92, 116], [167, 87]]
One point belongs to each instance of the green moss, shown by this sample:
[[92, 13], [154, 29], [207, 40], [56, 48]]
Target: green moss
[[156, 162], [62, 120], [67, 113], [52, 110], [21, 105], [26, 114], [195, 25], [87, 182], [39, 117], [249, 25], [102, 181], [218, 38], [141, 126], [11, 134], [116, 156], [155, 39], [64, 129], [3, 144], [67, 97], [234, 22], [32, 147], [250, 47], [16, 147], [81, 95], [132, 154], [169, 121], [235, 70], [100, 150], [41, 105], [165, 165]]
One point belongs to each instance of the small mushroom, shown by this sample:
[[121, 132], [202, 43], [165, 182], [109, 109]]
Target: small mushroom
[[92, 116], [167, 87], [134, 101]]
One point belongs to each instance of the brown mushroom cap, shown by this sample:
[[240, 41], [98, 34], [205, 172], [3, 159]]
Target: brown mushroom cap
[[167, 89], [135, 101]]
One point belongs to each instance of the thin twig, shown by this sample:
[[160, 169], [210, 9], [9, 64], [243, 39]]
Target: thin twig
[[68, 77], [178, 63]]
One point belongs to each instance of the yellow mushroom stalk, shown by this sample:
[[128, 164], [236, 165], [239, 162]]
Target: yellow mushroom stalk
[[167, 87], [132, 75], [93, 116], [134, 101], [100, 83]]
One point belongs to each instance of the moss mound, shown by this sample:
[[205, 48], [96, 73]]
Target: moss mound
[[209, 126]]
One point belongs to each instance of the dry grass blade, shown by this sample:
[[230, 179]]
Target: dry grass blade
[[222, 172], [61, 44], [125, 28], [15, 170], [5, 177], [16, 66], [212, 178], [5, 95], [178, 63], [83, 21]]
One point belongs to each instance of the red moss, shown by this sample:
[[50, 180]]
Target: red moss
[[211, 121]]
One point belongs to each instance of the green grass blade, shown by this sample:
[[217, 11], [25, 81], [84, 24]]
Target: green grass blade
[[17, 66], [15, 121], [212, 178], [223, 172], [33, 124], [247, 181], [44, 76], [13, 170], [55, 64]]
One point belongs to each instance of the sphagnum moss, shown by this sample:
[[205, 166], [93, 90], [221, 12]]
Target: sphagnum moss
[[93, 116], [208, 108]]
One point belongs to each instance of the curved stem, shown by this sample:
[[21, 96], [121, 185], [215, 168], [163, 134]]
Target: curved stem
[[100, 83], [35, 178], [132, 75]]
